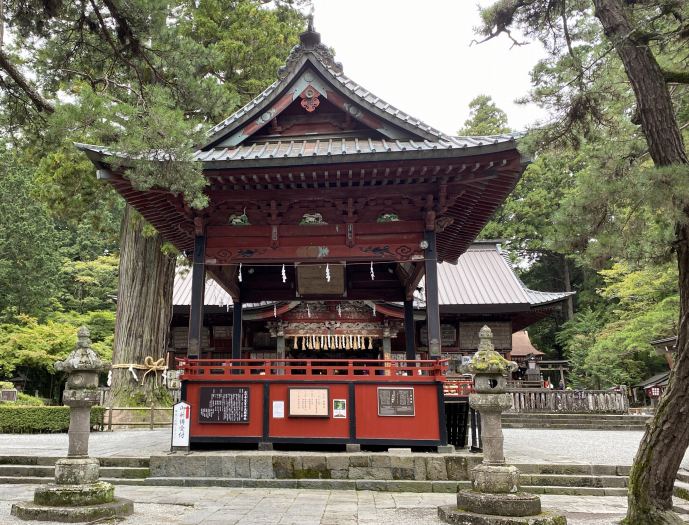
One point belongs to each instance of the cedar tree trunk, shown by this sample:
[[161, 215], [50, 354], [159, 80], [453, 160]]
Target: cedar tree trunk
[[667, 436], [144, 310]]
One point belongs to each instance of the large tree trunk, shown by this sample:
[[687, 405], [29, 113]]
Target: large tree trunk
[[667, 436], [144, 310]]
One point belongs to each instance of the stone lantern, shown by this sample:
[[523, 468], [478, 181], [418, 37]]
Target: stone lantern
[[494, 497], [77, 494]]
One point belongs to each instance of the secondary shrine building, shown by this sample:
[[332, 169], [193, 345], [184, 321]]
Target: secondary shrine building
[[328, 210]]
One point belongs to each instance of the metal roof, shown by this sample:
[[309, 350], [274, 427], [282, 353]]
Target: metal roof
[[295, 149], [482, 277]]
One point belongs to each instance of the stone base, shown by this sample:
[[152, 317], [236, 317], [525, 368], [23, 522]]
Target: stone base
[[451, 514], [74, 495], [518, 504], [31, 511], [75, 471], [495, 479]]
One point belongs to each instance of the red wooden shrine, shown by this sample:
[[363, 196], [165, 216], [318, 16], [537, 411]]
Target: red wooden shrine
[[320, 191]]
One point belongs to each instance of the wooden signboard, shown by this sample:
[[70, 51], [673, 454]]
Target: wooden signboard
[[309, 402], [224, 405], [395, 401]]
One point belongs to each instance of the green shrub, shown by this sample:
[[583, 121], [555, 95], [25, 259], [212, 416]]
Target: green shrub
[[27, 400], [19, 419]]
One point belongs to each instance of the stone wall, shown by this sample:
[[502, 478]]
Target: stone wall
[[356, 466]]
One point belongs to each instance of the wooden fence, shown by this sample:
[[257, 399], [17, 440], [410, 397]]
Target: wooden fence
[[568, 401], [137, 417]]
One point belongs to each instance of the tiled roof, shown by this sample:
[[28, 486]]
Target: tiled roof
[[311, 50], [335, 147], [482, 276]]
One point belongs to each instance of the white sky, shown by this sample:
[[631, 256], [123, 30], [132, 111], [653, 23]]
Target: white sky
[[417, 56]]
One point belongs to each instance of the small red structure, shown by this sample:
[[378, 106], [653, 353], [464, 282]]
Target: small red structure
[[325, 401]]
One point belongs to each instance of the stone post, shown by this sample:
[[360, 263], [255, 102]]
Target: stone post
[[77, 494], [495, 497]]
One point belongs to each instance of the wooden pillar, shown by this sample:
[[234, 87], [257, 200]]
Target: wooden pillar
[[387, 349], [432, 305], [409, 329], [198, 288], [280, 353], [236, 330]]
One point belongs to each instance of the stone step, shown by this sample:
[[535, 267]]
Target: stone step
[[570, 426], [574, 491], [610, 417], [683, 475], [46, 471], [29, 480], [681, 489], [577, 481], [110, 461], [573, 469]]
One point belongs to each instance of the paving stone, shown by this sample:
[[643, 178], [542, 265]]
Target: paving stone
[[337, 461], [381, 460], [228, 466], [358, 461], [419, 468], [243, 466]]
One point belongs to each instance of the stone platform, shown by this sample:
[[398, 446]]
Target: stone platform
[[28, 510], [450, 514]]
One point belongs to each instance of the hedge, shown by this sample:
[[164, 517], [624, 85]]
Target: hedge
[[16, 419]]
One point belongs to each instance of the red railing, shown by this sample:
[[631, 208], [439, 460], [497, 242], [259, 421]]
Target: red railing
[[363, 370], [458, 387]]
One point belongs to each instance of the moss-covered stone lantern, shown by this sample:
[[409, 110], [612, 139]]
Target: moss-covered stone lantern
[[494, 497], [77, 494]]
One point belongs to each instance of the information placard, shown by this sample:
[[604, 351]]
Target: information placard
[[224, 405], [395, 401], [309, 402], [181, 418]]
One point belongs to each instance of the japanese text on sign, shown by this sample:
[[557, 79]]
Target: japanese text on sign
[[181, 416], [309, 402], [224, 405], [395, 401]]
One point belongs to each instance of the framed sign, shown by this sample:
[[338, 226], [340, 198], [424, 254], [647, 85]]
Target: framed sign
[[309, 402], [394, 401], [224, 405]]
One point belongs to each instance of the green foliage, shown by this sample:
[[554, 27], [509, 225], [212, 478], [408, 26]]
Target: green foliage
[[612, 346], [485, 118], [89, 285], [38, 345], [28, 242], [16, 419], [27, 400]]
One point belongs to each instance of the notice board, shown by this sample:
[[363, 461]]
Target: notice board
[[309, 402], [224, 405], [394, 401]]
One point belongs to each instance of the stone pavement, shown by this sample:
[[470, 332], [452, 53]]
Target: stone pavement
[[223, 506], [521, 445]]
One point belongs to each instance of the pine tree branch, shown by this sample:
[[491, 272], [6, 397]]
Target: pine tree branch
[[676, 77], [24, 84]]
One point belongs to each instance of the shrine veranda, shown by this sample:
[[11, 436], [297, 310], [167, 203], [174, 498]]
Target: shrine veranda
[[324, 200]]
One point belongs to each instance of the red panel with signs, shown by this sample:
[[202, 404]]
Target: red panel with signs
[[221, 409]]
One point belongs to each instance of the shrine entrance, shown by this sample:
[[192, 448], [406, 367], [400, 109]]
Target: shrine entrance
[[325, 204]]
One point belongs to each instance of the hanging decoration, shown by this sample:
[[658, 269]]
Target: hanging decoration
[[303, 343], [296, 343], [373, 275], [275, 310], [370, 343], [339, 310], [284, 274], [374, 309], [327, 272], [239, 275], [308, 310]]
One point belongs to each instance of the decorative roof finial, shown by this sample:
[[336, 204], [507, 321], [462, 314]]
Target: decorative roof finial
[[310, 42], [309, 17]]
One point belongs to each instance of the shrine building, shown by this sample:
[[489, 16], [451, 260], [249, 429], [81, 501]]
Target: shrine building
[[328, 208]]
